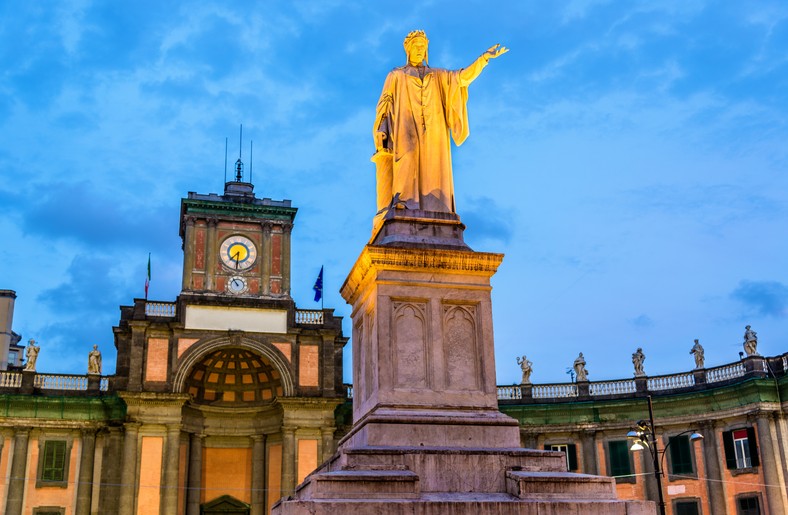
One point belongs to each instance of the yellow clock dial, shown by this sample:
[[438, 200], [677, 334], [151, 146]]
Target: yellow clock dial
[[238, 253]]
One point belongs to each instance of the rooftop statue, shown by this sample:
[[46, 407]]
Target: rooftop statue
[[32, 355], [750, 341], [637, 360], [697, 350], [418, 109], [527, 367], [94, 361], [580, 368]]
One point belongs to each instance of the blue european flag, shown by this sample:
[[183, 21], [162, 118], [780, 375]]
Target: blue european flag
[[318, 287]]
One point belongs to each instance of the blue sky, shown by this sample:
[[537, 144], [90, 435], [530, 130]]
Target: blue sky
[[629, 158]]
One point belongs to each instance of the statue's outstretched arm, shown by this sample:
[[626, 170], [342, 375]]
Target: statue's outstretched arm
[[469, 74]]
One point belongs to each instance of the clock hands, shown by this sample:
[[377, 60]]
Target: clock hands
[[236, 257]]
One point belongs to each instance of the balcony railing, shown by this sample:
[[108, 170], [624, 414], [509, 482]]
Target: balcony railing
[[309, 316], [160, 309], [684, 381], [59, 382]]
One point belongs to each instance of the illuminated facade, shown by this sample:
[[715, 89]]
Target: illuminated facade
[[222, 400]]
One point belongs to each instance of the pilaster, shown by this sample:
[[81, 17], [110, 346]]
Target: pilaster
[[85, 481], [711, 457], [288, 460], [258, 475], [128, 476], [169, 487], [194, 483], [16, 483], [771, 475]]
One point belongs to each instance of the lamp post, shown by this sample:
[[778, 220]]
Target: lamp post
[[645, 435]]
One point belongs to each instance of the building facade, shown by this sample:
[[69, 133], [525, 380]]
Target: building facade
[[227, 398], [222, 401]]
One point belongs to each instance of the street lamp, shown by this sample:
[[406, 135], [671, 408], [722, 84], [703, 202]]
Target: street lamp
[[644, 436]]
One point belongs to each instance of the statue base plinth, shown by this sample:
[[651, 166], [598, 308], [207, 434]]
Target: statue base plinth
[[427, 435], [416, 228]]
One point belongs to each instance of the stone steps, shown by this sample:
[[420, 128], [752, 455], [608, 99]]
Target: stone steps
[[361, 484], [559, 485], [465, 505]]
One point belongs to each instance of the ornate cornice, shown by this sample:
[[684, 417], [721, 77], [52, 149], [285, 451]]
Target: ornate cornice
[[375, 257]]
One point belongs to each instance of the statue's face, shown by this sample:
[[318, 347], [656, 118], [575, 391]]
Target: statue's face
[[417, 51]]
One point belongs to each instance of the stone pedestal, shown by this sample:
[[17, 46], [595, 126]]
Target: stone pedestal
[[427, 435]]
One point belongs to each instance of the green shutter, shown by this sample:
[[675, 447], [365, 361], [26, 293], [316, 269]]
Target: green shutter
[[680, 455], [730, 452], [754, 461], [619, 458], [54, 463], [572, 452]]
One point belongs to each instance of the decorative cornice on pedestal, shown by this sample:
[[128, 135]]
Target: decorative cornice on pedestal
[[418, 260]]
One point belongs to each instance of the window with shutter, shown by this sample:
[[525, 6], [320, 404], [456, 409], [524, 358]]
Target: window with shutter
[[680, 455], [748, 506], [686, 507], [619, 458], [741, 449], [54, 463], [567, 448]]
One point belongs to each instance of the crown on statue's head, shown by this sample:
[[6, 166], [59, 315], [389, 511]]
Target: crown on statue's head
[[413, 35]]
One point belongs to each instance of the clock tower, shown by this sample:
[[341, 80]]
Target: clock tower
[[236, 244]]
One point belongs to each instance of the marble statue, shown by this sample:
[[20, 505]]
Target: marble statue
[[750, 342], [527, 367], [637, 359], [94, 361], [419, 108], [32, 355], [697, 350], [580, 368]]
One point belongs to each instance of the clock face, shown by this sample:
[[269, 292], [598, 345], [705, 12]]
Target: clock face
[[238, 253], [236, 285]]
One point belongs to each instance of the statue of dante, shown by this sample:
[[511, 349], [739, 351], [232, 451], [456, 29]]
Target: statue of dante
[[418, 109]]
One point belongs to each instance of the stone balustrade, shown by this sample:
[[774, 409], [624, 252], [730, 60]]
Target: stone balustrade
[[699, 379], [309, 316], [160, 309], [10, 379], [26, 381], [60, 382]]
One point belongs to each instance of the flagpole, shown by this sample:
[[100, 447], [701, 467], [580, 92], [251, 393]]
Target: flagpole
[[323, 292]]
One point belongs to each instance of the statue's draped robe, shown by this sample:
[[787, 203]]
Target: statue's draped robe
[[417, 115]]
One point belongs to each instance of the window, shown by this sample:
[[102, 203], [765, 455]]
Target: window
[[49, 510], [680, 455], [569, 449], [741, 450], [53, 458], [748, 506], [54, 465], [686, 507], [618, 453], [12, 358]]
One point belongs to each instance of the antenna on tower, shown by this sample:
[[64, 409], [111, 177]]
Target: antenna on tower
[[225, 159], [239, 166], [251, 160]]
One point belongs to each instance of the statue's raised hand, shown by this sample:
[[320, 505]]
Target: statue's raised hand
[[495, 51]]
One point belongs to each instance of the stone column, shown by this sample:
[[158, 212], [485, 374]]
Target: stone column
[[265, 260], [286, 229], [85, 481], [16, 483], [648, 469], [109, 491], [771, 475], [188, 252], [258, 475], [128, 475], [588, 443], [711, 459], [194, 484], [169, 493], [211, 252], [327, 434], [288, 460]]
